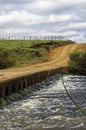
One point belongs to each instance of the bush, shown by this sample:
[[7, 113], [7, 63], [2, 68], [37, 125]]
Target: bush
[[6, 58], [77, 63]]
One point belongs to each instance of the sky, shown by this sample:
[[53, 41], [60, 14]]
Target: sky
[[43, 17]]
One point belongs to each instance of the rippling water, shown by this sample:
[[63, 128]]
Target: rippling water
[[48, 108]]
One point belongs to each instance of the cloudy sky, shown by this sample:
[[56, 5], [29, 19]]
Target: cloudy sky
[[43, 17]]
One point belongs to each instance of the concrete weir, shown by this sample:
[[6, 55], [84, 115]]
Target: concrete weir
[[16, 84]]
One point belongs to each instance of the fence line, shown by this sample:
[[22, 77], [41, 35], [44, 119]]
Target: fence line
[[32, 37]]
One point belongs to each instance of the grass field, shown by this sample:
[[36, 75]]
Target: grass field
[[21, 52], [13, 44]]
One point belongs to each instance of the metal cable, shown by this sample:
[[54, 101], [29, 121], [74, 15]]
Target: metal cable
[[76, 104]]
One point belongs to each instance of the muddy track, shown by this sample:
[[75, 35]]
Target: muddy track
[[58, 57]]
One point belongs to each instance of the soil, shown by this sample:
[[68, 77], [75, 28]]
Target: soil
[[58, 57]]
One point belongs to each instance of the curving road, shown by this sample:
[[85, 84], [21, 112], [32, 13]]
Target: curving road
[[58, 57]]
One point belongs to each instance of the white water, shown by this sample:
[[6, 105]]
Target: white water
[[48, 108]]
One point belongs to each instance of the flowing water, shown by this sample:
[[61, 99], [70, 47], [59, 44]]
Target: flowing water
[[48, 107]]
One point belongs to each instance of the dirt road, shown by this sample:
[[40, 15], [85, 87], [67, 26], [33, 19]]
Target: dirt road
[[58, 57]]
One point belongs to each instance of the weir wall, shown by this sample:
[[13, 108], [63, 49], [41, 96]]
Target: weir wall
[[16, 84]]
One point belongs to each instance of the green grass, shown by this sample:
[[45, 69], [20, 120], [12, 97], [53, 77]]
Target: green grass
[[12, 44], [20, 52], [77, 63]]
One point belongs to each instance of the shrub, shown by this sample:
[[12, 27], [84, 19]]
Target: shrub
[[77, 63], [6, 58]]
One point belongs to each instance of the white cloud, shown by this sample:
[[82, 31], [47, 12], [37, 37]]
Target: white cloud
[[42, 6], [77, 25], [63, 18], [19, 17], [64, 34], [50, 17], [78, 38], [26, 19]]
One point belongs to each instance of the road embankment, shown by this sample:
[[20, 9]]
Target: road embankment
[[16, 79]]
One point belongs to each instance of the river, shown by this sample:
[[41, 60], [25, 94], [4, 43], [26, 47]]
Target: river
[[48, 107]]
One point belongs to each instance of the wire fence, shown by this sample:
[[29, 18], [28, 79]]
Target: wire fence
[[32, 37]]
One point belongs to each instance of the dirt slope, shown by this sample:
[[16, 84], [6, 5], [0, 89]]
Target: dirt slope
[[58, 57]]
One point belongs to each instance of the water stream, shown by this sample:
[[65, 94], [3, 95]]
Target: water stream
[[48, 108]]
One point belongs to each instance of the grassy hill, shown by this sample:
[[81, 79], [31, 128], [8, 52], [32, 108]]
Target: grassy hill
[[21, 52]]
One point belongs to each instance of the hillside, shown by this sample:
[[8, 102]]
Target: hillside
[[58, 57], [14, 53]]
